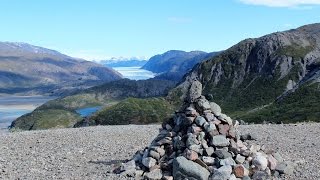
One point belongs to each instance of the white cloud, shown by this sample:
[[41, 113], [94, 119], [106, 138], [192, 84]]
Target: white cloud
[[179, 19], [282, 3]]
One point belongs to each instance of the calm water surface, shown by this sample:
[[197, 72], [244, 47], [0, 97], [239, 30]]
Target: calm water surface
[[12, 107]]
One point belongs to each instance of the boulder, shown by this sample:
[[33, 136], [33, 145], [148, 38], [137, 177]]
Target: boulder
[[183, 168]]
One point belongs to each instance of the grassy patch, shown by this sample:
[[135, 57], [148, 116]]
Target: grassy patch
[[46, 119], [134, 111]]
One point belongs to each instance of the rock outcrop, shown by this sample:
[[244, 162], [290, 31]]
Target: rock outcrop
[[200, 142]]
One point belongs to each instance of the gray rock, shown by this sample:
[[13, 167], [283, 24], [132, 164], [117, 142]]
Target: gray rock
[[149, 162], [178, 143], [203, 104], [208, 160], [227, 161], [278, 157], [191, 140], [183, 168], [220, 141], [240, 159], [209, 151], [225, 119], [128, 168], [215, 108], [222, 154], [260, 162], [246, 178], [154, 154], [200, 121], [195, 91], [285, 168], [260, 175], [155, 174], [223, 173]]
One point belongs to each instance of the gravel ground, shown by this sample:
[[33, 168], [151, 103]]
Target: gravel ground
[[90, 153]]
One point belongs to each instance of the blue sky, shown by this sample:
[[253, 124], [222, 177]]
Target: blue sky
[[99, 29]]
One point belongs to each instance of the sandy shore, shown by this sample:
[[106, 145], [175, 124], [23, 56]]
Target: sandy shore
[[90, 153]]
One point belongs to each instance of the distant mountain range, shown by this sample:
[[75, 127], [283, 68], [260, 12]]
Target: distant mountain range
[[28, 69]]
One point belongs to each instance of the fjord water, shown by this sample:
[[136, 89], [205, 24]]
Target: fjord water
[[12, 107], [135, 73]]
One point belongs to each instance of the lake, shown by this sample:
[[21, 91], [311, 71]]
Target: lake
[[12, 107], [135, 73]]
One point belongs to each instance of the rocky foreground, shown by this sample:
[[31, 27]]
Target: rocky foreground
[[93, 152]]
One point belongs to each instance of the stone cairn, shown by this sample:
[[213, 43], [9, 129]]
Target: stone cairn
[[200, 142]]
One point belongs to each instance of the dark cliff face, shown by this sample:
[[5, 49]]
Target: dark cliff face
[[173, 65], [169, 61], [26, 68], [257, 74]]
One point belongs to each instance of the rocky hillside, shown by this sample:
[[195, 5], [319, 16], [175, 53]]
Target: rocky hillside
[[272, 78], [29, 69]]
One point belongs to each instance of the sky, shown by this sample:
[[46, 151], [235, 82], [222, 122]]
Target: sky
[[101, 29]]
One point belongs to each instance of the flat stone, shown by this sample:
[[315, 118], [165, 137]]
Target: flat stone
[[222, 154], [200, 121], [223, 129], [195, 91], [215, 108], [260, 175], [220, 141], [128, 168], [185, 169], [225, 118], [209, 116], [203, 104], [240, 171], [223, 173], [260, 162], [154, 154], [155, 174], [240, 159], [209, 151], [191, 155], [149, 162], [208, 160], [285, 168], [227, 161], [272, 162]]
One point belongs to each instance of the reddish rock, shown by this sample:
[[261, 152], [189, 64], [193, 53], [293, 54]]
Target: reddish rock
[[240, 171], [272, 162], [191, 155], [216, 122], [223, 129]]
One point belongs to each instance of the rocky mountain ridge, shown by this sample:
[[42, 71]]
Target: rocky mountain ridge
[[29, 69], [261, 73]]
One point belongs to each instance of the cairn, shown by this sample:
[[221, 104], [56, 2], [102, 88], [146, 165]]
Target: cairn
[[201, 143]]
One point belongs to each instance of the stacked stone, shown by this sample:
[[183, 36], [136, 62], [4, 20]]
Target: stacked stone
[[200, 142]]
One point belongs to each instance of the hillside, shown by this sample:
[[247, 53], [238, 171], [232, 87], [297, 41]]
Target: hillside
[[55, 113], [28, 69], [272, 78]]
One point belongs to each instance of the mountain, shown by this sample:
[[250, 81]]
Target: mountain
[[29, 69], [123, 62], [272, 78], [169, 61], [174, 64]]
